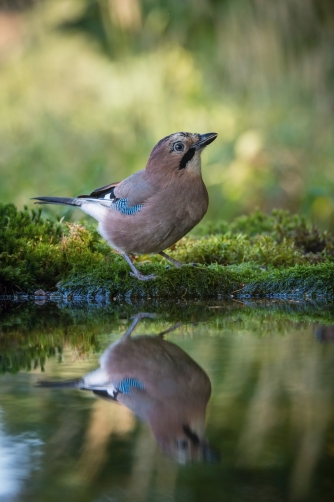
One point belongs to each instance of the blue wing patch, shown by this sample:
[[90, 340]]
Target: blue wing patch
[[127, 383], [121, 205]]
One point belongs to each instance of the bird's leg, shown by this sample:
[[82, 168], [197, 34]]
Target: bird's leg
[[135, 272], [172, 328], [138, 317], [176, 263], [136, 320]]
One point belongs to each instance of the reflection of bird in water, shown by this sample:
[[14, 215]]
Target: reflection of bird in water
[[161, 384]]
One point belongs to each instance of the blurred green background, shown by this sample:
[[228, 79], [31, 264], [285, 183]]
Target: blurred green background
[[87, 87]]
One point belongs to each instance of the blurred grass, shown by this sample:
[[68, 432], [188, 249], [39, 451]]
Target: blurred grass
[[88, 88]]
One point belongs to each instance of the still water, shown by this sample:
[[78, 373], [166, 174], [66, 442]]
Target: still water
[[266, 433]]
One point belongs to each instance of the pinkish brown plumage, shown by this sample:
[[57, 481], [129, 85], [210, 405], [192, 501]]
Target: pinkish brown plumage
[[154, 208]]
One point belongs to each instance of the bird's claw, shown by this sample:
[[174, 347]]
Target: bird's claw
[[182, 265], [142, 277]]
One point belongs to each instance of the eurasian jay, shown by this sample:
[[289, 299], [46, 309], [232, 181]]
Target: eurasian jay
[[152, 209], [161, 384]]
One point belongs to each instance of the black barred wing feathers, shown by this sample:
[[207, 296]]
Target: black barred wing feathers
[[105, 192]]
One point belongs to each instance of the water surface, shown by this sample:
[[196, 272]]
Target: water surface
[[269, 420]]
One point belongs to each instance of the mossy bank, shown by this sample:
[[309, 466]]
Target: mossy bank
[[279, 255]]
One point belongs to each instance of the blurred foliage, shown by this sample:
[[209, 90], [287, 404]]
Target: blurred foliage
[[255, 255], [29, 335], [89, 86]]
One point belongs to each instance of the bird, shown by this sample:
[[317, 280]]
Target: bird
[[154, 208], [160, 383]]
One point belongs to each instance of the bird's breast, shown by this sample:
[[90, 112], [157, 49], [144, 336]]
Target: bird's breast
[[162, 220]]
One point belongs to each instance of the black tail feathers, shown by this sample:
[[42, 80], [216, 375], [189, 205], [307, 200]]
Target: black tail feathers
[[74, 384], [67, 201]]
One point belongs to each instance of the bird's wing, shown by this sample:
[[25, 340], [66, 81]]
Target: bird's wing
[[135, 190], [105, 192]]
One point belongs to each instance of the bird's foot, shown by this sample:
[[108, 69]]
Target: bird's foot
[[183, 265], [141, 277], [135, 272], [177, 264]]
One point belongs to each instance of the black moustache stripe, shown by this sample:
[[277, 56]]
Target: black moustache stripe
[[186, 157], [191, 435]]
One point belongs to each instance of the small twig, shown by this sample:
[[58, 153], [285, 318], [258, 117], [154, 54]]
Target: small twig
[[184, 293]]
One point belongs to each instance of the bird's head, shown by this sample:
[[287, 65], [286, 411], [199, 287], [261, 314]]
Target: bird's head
[[185, 445], [179, 154], [178, 426]]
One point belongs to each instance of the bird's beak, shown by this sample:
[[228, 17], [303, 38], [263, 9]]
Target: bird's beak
[[205, 139]]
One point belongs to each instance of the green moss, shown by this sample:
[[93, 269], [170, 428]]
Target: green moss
[[258, 255], [280, 226]]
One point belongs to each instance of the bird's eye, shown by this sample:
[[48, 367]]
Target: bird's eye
[[182, 444], [178, 147]]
